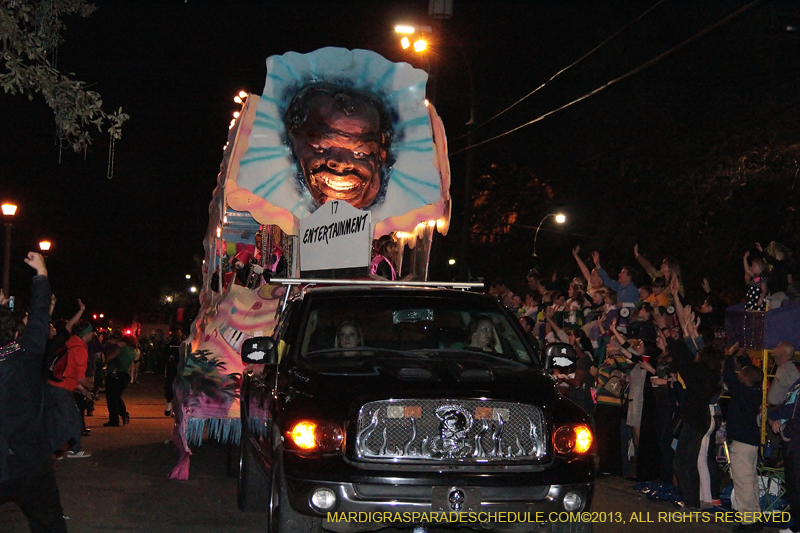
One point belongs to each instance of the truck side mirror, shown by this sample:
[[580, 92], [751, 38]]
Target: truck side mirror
[[259, 351]]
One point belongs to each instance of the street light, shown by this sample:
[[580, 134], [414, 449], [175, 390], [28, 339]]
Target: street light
[[45, 246], [9, 210], [443, 9], [560, 218], [417, 33]]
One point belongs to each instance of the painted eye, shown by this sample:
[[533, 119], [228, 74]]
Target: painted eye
[[318, 149], [360, 155]]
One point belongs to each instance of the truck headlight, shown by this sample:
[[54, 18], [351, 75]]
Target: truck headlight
[[313, 436], [573, 439]]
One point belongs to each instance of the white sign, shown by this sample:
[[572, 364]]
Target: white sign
[[337, 235]]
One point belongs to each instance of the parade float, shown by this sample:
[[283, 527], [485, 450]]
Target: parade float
[[340, 149]]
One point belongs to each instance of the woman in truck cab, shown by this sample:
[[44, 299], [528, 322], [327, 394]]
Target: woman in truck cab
[[349, 336], [481, 334]]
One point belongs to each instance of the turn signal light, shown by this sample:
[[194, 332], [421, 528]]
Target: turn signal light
[[573, 439], [325, 437]]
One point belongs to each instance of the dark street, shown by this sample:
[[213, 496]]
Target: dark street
[[124, 485]]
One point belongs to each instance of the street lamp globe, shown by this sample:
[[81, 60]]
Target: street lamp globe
[[561, 218], [9, 210], [45, 246]]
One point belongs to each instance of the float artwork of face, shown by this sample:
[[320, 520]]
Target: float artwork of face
[[340, 139]]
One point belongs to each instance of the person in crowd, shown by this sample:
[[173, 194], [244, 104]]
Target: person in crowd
[[610, 393], [532, 304], [780, 274], [118, 365], [645, 291], [669, 269], [593, 279], [623, 285], [785, 421], [661, 296], [500, 290], [756, 281], [580, 383], [136, 366], [785, 375], [665, 388], [643, 326], [744, 432], [26, 471], [533, 279], [65, 419], [700, 373], [173, 355]]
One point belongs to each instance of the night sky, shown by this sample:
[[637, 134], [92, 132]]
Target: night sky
[[175, 66]]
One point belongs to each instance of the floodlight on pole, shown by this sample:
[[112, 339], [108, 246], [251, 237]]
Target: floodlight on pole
[[9, 210], [560, 219]]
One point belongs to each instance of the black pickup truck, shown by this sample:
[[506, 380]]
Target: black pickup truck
[[399, 407]]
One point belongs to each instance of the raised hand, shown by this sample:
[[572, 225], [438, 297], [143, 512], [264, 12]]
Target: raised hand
[[636, 250], [576, 250], [36, 262], [596, 258], [674, 287], [706, 285]]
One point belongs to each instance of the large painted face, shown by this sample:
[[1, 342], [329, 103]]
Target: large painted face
[[340, 153]]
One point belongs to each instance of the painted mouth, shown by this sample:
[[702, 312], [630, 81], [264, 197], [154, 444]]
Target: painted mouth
[[339, 183]]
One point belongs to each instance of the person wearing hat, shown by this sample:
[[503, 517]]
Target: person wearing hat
[[65, 422]]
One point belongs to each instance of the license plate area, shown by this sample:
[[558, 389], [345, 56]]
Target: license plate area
[[448, 499]]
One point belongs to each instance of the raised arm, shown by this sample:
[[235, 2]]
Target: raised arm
[[584, 269], [748, 272], [77, 316], [646, 265]]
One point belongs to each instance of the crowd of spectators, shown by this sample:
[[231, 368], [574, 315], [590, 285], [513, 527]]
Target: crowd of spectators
[[660, 378]]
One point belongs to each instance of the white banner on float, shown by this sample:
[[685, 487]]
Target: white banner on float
[[337, 235]]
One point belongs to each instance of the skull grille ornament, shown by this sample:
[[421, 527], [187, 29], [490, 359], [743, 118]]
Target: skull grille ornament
[[440, 430]]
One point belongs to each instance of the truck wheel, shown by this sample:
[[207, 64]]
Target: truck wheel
[[284, 518], [253, 489]]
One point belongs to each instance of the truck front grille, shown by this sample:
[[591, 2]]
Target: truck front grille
[[451, 430]]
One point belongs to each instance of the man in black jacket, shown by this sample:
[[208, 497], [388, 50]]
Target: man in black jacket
[[26, 472], [745, 435]]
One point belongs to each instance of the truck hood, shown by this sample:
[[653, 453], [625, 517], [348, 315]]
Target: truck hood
[[346, 384]]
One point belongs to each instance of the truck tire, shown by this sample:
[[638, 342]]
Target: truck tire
[[284, 518], [253, 488]]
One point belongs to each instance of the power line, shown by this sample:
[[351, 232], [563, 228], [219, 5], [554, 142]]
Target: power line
[[554, 76], [616, 80]]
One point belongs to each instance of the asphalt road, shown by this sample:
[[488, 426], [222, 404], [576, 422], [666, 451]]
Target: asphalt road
[[123, 486]]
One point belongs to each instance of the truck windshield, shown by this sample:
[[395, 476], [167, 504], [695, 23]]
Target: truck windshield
[[369, 325]]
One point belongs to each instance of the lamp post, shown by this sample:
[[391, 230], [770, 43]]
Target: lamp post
[[443, 9], [560, 219], [9, 210]]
